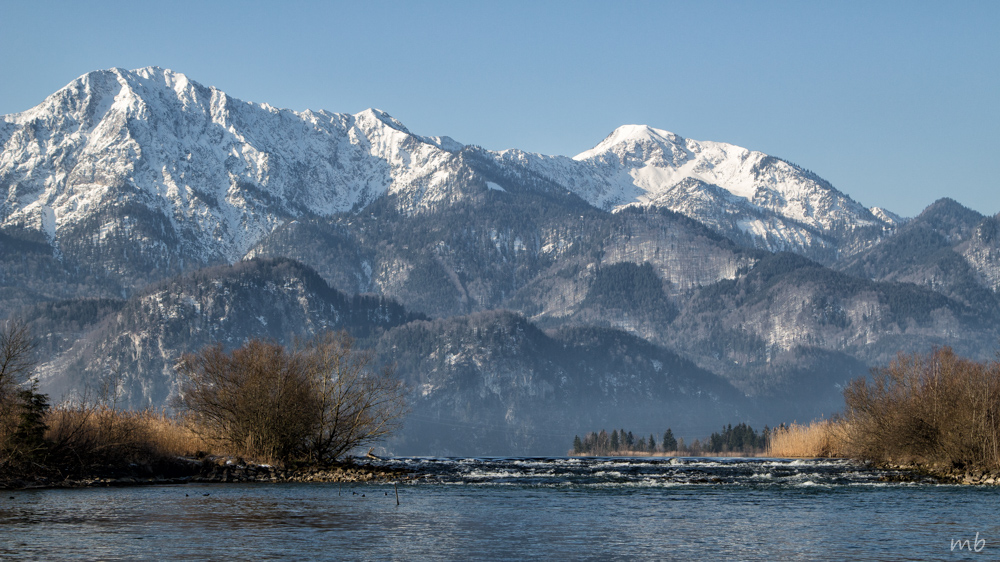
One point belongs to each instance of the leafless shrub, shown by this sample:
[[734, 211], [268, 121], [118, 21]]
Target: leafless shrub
[[318, 401], [17, 347], [358, 404], [936, 408], [256, 400]]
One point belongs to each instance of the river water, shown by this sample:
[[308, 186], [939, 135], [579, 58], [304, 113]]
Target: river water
[[521, 508]]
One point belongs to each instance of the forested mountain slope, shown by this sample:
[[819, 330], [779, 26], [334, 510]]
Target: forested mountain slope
[[653, 277]]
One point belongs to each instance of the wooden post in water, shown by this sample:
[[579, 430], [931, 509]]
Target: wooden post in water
[[396, 487]]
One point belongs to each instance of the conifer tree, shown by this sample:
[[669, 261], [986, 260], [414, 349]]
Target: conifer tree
[[669, 441]]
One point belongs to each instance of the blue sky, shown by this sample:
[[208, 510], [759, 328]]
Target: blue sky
[[896, 103]]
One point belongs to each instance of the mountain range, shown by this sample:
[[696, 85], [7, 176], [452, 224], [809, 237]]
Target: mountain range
[[650, 282]]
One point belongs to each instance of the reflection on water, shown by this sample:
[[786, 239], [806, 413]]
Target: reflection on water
[[519, 508]]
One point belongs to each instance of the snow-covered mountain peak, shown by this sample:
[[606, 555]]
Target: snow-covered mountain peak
[[629, 136], [222, 172], [887, 216], [445, 143], [375, 122], [638, 146], [740, 192], [370, 116], [141, 83]]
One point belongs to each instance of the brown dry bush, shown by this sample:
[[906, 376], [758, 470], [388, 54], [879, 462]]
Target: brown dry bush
[[936, 408], [357, 404], [255, 401], [316, 402], [173, 436]]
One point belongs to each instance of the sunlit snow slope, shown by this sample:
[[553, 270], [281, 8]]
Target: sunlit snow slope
[[115, 150]]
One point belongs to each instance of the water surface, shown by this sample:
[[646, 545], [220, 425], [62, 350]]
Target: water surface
[[518, 508]]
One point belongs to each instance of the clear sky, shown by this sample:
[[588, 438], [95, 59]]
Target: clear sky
[[895, 103]]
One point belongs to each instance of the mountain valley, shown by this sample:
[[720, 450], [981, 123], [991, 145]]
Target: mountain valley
[[650, 282]]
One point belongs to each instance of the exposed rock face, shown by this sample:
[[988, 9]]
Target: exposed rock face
[[652, 281], [175, 174], [151, 164]]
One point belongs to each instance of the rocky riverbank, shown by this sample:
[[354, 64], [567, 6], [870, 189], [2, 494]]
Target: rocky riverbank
[[184, 470], [943, 474]]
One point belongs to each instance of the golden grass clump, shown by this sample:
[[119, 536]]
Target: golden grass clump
[[170, 436], [103, 432], [822, 438]]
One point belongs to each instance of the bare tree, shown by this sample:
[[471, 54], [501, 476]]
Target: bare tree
[[321, 400], [256, 399], [936, 407], [17, 357], [22, 407], [358, 403]]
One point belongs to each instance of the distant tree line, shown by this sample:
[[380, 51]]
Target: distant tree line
[[741, 439]]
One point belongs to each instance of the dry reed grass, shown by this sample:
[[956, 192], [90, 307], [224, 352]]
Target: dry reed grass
[[822, 438], [121, 435], [171, 436]]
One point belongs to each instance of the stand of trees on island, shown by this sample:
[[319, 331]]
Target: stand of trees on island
[[739, 439], [308, 405], [935, 411]]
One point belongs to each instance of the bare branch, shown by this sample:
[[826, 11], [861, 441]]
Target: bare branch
[[17, 356]]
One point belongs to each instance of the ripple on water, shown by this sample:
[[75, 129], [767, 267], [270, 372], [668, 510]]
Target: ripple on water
[[510, 508]]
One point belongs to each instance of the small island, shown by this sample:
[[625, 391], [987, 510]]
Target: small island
[[935, 414]]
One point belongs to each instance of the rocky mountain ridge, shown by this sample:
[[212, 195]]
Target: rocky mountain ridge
[[146, 215], [199, 177]]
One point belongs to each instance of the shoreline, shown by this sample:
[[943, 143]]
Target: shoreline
[[950, 475], [676, 454], [363, 470], [213, 470]]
